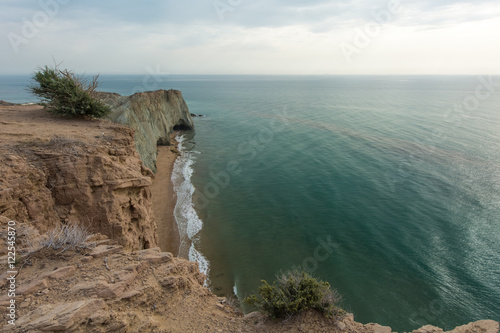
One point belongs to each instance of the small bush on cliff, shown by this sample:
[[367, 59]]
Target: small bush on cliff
[[63, 237], [293, 292], [66, 237], [64, 93]]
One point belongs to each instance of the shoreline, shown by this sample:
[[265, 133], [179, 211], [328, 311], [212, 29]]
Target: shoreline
[[165, 199]]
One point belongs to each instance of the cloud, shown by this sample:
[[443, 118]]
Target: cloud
[[449, 13], [240, 36], [319, 15]]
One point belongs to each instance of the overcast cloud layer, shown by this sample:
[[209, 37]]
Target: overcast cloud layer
[[252, 37]]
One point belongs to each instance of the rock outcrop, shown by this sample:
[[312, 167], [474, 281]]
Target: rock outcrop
[[74, 171], [103, 288], [153, 115]]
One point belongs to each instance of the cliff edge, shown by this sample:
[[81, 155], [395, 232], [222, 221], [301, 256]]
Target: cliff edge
[[86, 172], [153, 115]]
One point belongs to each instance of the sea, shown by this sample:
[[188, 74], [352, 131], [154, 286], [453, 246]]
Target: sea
[[387, 187]]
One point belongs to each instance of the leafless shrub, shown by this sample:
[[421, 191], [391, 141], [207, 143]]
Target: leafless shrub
[[233, 302], [64, 237]]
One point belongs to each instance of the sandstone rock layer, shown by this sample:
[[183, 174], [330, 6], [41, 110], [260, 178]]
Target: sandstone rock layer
[[154, 116], [74, 171]]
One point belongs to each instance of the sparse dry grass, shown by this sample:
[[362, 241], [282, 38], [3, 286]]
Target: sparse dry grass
[[64, 237]]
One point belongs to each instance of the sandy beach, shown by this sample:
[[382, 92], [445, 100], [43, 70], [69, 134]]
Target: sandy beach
[[164, 199]]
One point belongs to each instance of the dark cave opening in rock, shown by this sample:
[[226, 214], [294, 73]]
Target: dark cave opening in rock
[[181, 126]]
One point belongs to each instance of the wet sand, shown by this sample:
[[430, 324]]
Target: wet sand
[[164, 200]]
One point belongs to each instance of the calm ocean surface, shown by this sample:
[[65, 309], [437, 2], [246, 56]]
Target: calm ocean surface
[[387, 187]]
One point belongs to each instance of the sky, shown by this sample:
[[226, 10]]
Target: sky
[[336, 37]]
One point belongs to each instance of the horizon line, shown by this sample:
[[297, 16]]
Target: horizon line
[[243, 74]]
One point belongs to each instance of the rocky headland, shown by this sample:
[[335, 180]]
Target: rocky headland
[[100, 174], [154, 116]]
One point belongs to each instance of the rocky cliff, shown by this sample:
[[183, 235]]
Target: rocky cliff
[[73, 171], [154, 116]]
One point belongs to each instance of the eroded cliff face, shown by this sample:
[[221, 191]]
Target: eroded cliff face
[[154, 115], [57, 171], [89, 173]]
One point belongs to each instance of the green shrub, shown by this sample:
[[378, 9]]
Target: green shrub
[[64, 93], [293, 292]]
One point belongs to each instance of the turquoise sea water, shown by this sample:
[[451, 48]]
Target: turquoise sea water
[[387, 187]]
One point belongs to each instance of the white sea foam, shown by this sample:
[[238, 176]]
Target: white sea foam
[[195, 255], [188, 221], [235, 290]]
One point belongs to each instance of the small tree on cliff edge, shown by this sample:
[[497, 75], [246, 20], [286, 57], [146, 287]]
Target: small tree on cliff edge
[[64, 93]]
